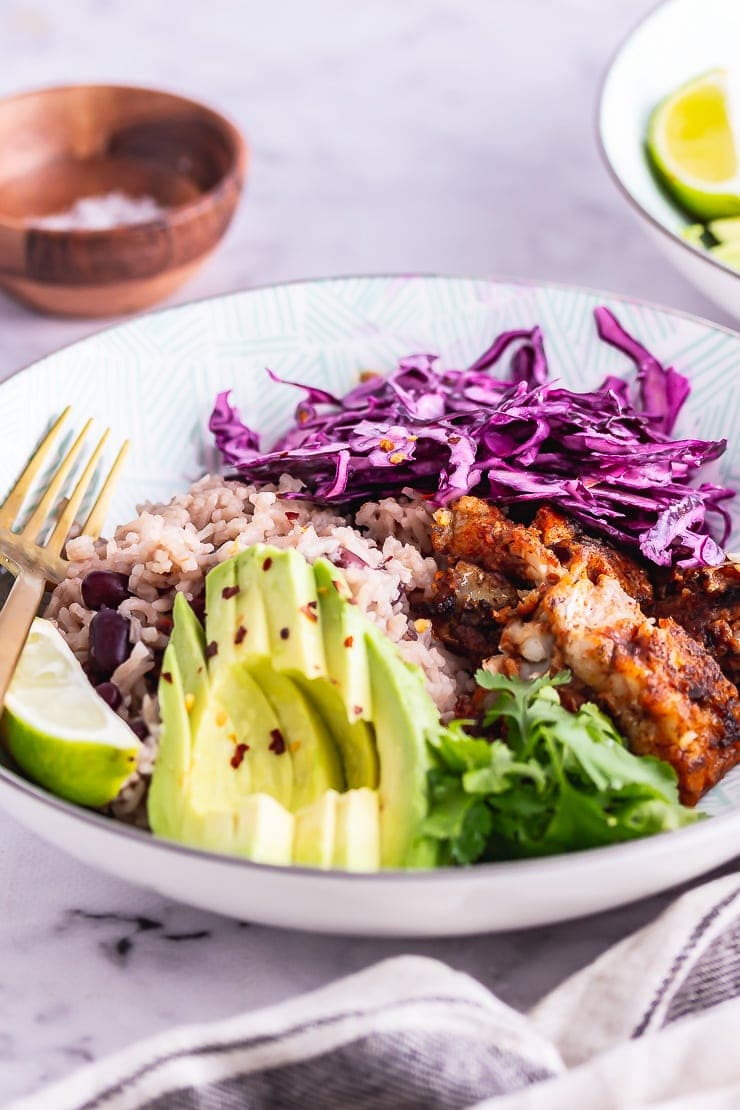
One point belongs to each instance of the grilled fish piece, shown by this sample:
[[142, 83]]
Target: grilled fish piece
[[665, 692], [479, 533], [495, 569], [706, 602], [581, 553], [469, 608]]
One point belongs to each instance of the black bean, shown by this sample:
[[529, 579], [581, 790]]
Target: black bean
[[104, 589], [109, 644], [110, 693], [139, 728]]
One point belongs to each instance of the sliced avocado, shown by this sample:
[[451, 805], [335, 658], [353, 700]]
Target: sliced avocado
[[265, 830], [168, 799], [239, 717], [294, 643], [343, 629], [315, 760], [288, 590], [357, 831], [314, 831], [222, 597], [405, 716], [253, 726], [188, 642]]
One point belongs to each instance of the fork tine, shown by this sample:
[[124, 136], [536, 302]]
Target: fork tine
[[33, 526], [66, 520], [96, 518], [13, 502]]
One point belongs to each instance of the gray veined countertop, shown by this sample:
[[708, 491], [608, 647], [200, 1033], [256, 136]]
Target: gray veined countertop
[[430, 136]]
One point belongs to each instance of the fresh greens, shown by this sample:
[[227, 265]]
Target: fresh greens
[[558, 782]]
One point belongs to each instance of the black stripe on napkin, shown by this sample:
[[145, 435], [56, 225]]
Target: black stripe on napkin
[[682, 958], [713, 979], [407, 1071], [446, 1071]]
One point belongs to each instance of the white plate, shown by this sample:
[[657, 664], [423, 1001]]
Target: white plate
[[676, 42], [154, 379]]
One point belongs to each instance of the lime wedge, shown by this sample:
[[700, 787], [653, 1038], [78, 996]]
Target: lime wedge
[[58, 730], [693, 147]]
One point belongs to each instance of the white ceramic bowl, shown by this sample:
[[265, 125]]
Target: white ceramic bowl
[[676, 42], [155, 378]]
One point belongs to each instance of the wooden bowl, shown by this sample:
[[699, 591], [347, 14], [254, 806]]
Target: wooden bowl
[[61, 144]]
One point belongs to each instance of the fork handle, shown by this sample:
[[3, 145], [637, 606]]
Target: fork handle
[[16, 617]]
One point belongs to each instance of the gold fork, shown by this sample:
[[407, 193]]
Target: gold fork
[[23, 552]]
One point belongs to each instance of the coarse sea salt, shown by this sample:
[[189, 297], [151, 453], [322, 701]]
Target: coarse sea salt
[[101, 212]]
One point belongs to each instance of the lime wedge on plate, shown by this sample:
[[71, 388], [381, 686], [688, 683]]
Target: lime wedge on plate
[[58, 730], [693, 146]]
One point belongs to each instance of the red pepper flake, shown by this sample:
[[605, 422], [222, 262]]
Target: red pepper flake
[[163, 624], [277, 743], [308, 612], [211, 650], [267, 563], [453, 440], [238, 756], [349, 641], [166, 675], [289, 515], [357, 710], [313, 604], [240, 634], [303, 416], [368, 375], [387, 445], [284, 633], [229, 592]]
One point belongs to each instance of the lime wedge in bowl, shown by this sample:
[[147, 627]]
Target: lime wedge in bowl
[[58, 730], [694, 148]]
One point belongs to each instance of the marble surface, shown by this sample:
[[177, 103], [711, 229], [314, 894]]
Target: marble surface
[[433, 135]]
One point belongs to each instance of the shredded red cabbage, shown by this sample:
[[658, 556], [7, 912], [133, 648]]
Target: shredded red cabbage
[[605, 457]]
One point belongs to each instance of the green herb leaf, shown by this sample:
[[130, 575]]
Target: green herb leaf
[[559, 782]]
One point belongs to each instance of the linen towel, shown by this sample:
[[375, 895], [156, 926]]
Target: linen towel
[[653, 1022]]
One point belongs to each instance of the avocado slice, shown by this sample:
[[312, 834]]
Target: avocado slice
[[314, 832], [343, 629], [316, 765], [339, 830], [239, 714], [357, 831], [265, 830], [405, 717]]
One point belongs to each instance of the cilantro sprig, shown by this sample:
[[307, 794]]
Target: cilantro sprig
[[558, 781]]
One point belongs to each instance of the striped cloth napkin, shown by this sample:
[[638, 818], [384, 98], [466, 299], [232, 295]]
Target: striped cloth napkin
[[654, 1022]]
